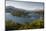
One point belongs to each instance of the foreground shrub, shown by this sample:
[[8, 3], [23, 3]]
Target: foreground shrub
[[10, 25], [38, 23]]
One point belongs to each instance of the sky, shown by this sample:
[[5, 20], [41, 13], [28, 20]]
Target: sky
[[25, 5]]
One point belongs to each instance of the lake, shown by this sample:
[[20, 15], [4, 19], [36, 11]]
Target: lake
[[22, 19]]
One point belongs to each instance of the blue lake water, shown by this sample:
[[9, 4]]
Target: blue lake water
[[17, 19]]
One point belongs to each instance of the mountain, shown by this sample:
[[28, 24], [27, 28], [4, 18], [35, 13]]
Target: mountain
[[21, 12], [9, 9]]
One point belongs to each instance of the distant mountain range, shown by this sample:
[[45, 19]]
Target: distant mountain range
[[11, 9]]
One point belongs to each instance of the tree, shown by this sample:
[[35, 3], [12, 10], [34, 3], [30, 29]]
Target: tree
[[20, 13], [38, 23], [9, 25]]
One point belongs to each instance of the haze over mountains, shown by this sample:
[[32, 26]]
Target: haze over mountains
[[25, 5], [11, 8], [22, 12]]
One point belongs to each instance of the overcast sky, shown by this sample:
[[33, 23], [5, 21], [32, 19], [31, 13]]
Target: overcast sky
[[25, 5]]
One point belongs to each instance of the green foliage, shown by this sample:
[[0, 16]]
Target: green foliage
[[16, 26], [38, 23], [19, 13], [40, 12], [10, 24]]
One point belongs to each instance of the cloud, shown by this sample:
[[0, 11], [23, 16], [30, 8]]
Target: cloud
[[25, 5]]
